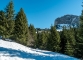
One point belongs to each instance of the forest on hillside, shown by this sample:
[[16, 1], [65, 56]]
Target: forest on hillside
[[15, 27]]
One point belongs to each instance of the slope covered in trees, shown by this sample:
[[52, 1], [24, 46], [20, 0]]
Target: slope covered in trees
[[15, 26], [21, 27]]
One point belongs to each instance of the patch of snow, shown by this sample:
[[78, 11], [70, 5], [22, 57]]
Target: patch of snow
[[14, 51], [7, 44], [13, 58]]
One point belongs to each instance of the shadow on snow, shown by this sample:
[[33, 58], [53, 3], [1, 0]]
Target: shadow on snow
[[22, 54]]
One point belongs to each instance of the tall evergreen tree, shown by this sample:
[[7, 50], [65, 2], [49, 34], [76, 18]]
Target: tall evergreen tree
[[70, 43], [21, 27], [54, 40], [39, 40], [63, 37], [44, 37], [32, 35], [80, 40], [76, 34], [32, 31], [9, 12], [3, 25]]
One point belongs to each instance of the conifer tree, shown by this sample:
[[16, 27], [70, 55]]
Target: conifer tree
[[76, 34], [63, 37], [3, 25], [21, 27], [32, 31], [70, 43], [9, 12], [54, 40], [39, 40], [44, 37], [80, 40], [32, 36]]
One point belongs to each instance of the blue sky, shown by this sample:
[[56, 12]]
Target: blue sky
[[42, 13]]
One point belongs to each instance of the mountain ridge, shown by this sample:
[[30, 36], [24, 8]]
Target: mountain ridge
[[67, 20]]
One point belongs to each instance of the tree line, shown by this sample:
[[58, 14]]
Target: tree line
[[15, 26]]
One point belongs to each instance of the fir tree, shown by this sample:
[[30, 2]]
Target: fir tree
[[63, 37], [76, 34], [9, 12], [54, 40], [44, 37], [21, 27], [39, 40], [80, 40], [32, 36], [32, 31], [70, 43], [3, 25]]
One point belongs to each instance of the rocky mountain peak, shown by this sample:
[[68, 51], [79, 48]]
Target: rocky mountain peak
[[66, 20]]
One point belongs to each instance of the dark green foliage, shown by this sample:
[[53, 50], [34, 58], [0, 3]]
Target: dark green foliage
[[53, 43], [80, 38], [21, 27], [9, 14], [63, 37], [3, 24], [70, 43], [32, 31], [32, 36], [38, 41], [76, 35], [42, 38], [69, 49], [45, 37], [9, 11], [7, 21]]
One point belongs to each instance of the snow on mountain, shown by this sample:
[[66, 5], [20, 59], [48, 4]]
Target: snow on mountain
[[13, 51], [67, 21]]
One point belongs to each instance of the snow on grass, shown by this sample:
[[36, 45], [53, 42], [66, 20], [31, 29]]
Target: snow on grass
[[16, 46], [15, 51], [13, 58]]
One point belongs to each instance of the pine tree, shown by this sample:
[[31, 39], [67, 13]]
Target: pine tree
[[21, 27], [54, 40], [63, 37], [70, 43], [80, 40], [77, 38], [44, 37], [39, 40], [3, 24], [32, 36], [9, 12], [32, 31], [68, 49]]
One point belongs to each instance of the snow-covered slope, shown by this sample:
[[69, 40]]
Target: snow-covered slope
[[15, 51]]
